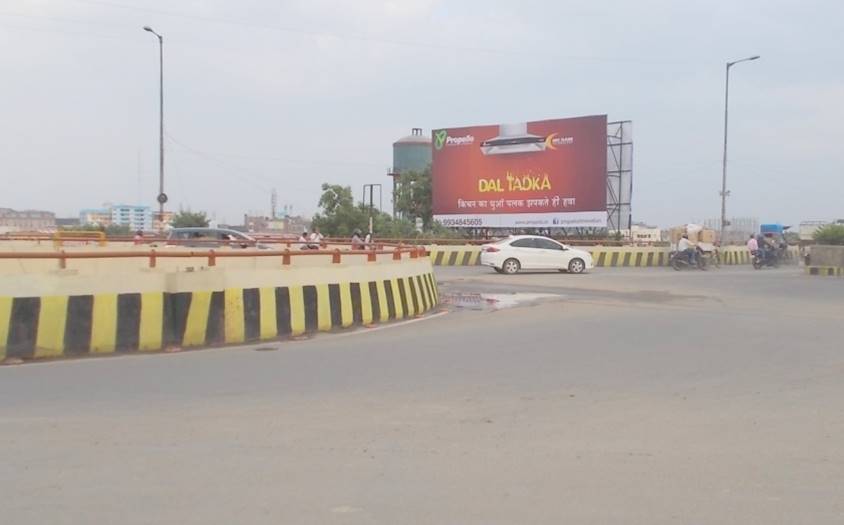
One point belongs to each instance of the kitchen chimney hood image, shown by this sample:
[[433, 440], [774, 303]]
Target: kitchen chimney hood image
[[513, 138]]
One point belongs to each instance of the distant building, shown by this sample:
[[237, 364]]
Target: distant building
[[132, 216], [95, 217], [67, 222], [135, 217], [27, 220], [641, 233]]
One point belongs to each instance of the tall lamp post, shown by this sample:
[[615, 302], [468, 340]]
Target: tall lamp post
[[162, 197], [724, 191]]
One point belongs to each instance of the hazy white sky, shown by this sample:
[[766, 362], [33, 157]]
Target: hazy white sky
[[264, 94]]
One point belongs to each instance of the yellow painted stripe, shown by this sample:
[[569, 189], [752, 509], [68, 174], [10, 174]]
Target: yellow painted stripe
[[394, 284], [52, 320], [323, 308], [383, 308], [297, 310], [152, 321], [104, 324], [5, 318], [407, 292], [234, 322], [346, 317], [197, 321], [267, 315], [473, 260], [436, 289], [365, 303]]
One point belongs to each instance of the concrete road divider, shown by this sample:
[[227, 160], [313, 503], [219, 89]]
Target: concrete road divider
[[68, 314], [604, 256], [825, 271]]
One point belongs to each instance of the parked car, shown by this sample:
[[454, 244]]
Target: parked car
[[210, 238], [532, 252]]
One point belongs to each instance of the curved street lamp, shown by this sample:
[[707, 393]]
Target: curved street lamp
[[162, 197], [724, 191]]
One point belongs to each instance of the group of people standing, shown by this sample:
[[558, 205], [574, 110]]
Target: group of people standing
[[314, 239]]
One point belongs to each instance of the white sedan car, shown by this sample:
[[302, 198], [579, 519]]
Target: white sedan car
[[532, 252]]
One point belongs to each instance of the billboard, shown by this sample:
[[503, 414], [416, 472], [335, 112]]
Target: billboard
[[550, 173]]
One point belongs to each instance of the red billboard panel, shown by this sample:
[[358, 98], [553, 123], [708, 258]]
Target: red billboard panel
[[550, 173]]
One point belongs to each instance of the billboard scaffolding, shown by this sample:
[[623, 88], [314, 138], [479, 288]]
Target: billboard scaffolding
[[619, 175]]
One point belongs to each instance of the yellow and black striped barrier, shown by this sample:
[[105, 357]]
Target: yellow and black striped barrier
[[455, 255], [603, 257], [68, 326], [628, 257], [825, 271]]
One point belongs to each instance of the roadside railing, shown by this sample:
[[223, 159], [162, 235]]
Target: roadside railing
[[287, 255]]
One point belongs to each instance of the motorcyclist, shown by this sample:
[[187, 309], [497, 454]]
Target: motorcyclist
[[685, 247]]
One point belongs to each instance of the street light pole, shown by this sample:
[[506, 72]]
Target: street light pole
[[724, 191], [162, 197]]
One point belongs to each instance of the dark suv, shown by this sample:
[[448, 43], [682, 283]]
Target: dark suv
[[210, 238]]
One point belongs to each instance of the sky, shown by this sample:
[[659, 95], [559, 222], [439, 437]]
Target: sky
[[288, 94]]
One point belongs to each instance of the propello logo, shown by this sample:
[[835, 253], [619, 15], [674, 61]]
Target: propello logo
[[439, 138]]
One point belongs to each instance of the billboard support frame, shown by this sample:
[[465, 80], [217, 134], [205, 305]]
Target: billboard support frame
[[619, 175]]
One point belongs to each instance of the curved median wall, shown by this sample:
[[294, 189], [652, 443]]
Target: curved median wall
[[75, 312]]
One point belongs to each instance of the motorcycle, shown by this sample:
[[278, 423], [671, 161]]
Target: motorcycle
[[680, 261], [769, 258]]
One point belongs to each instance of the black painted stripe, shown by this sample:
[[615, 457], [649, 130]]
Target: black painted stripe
[[357, 310], [391, 301], [466, 257], [310, 296], [334, 305], [373, 299], [602, 259], [650, 260], [176, 306], [77, 331], [215, 330], [423, 294], [438, 259], [614, 259], [639, 256], [661, 259], [430, 288], [251, 314], [23, 327], [128, 322], [434, 288], [452, 258], [402, 296], [626, 259], [414, 300], [282, 311]]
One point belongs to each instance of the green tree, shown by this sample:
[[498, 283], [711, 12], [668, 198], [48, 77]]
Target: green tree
[[830, 234], [413, 196], [189, 219]]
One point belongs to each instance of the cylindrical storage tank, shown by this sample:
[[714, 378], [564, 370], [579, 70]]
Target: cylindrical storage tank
[[412, 153]]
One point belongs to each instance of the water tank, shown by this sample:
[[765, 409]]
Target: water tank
[[412, 153]]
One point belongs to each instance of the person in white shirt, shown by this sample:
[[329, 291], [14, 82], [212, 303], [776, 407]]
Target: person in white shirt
[[315, 239], [685, 246], [752, 245]]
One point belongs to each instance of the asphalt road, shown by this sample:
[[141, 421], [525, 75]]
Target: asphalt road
[[623, 396]]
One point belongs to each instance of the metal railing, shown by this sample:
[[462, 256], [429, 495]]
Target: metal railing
[[211, 255]]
